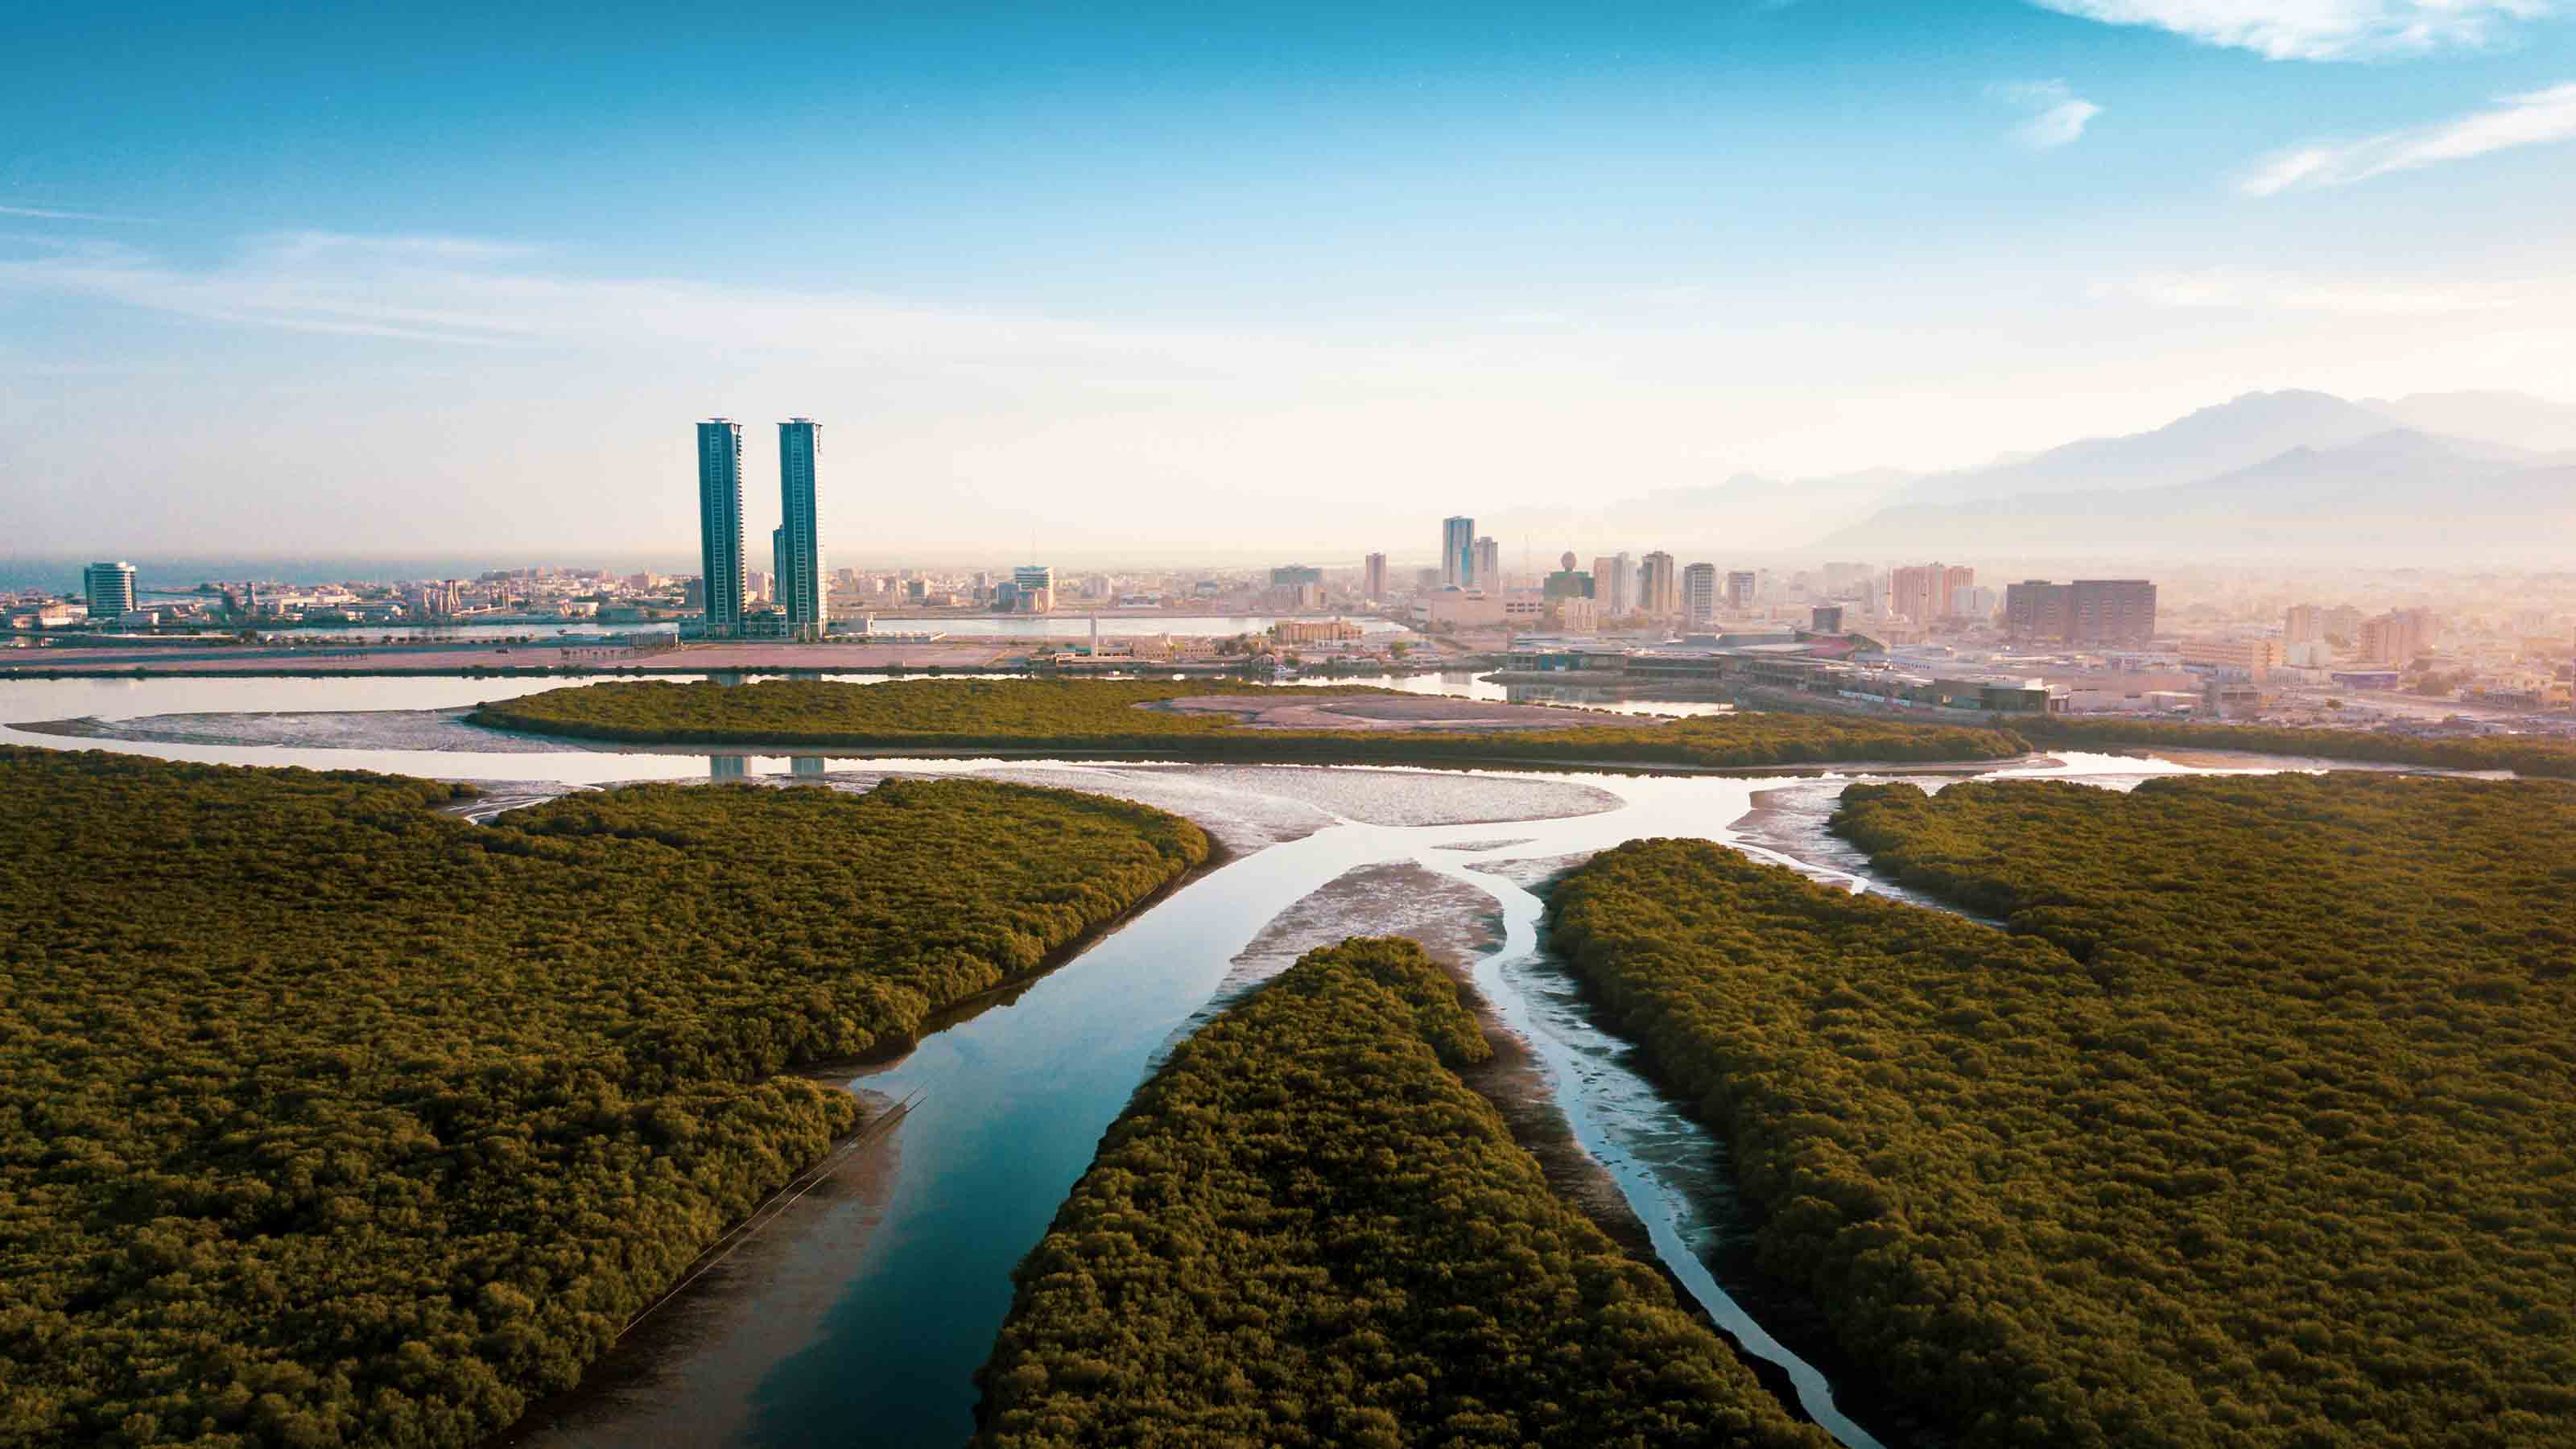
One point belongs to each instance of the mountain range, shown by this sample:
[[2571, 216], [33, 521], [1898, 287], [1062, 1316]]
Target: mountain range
[[2488, 475], [2290, 473]]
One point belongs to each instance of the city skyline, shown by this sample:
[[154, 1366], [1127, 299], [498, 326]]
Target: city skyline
[[1799, 725], [1572, 258]]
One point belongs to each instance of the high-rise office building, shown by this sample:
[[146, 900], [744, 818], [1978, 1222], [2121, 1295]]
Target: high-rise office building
[[777, 561], [1289, 576], [2088, 613], [1373, 577], [1614, 585], [1659, 586], [1699, 593], [1489, 565], [2302, 624], [1034, 588], [2036, 610], [1458, 553], [1741, 586], [720, 558], [2113, 611], [109, 588], [802, 587]]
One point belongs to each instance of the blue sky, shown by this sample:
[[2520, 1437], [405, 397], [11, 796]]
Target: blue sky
[[1300, 274]]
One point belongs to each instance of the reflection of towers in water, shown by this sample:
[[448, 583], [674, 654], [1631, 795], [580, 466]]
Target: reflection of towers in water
[[808, 765], [728, 767]]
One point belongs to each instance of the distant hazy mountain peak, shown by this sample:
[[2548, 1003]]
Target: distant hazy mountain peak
[[2295, 468], [2215, 439], [2514, 419]]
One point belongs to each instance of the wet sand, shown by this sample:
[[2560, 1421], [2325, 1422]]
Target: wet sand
[[697, 1360], [1536, 874], [451, 730], [1248, 807], [1453, 921], [354, 729]]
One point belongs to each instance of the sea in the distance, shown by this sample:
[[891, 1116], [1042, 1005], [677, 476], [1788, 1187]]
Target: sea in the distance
[[179, 574]]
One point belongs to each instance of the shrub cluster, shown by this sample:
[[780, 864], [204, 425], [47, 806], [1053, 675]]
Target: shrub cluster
[[331, 1119], [2544, 756], [1091, 716], [2254, 1129], [1306, 1230]]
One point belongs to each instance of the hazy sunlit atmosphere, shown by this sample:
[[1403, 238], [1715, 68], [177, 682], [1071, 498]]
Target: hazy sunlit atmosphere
[[1783, 724], [1134, 276]]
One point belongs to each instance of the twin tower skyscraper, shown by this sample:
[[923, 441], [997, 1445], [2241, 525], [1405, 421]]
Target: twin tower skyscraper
[[796, 551]]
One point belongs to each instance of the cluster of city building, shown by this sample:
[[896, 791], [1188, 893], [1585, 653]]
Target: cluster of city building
[[1924, 635]]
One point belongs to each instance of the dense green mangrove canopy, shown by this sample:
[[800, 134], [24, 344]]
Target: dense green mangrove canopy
[[2258, 1127], [1092, 716], [331, 1119], [1307, 1230]]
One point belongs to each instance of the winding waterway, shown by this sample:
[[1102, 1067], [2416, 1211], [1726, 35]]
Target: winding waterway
[[865, 1311]]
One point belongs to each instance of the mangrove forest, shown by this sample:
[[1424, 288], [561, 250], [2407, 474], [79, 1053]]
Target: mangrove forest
[[334, 1119], [2252, 1129], [1307, 1230], [1119, 716]]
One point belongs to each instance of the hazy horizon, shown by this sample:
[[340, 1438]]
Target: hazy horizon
[[1280, 283]]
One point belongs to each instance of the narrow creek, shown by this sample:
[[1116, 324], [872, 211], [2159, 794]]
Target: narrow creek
[[864, 1311], [1014, 1100]]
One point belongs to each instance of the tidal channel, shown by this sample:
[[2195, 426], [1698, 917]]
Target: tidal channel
[[862, 1312]]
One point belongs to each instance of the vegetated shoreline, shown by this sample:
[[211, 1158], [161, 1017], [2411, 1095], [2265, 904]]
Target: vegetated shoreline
[[637, 1354], [219, 898], [1510, 1081], [1650, 1013], [1088, 717], [90, 728], [650, 671], [1040, 1383], [1513, 1083]]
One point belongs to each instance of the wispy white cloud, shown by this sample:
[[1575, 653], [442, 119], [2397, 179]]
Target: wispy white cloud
[[2525, 120], [2318, 29], [2233, 290], [50, 213], [2058, 116], [472, 292]]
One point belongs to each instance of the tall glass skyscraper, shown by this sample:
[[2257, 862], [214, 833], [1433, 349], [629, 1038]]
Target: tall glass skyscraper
[[800, 551], [720, 522], [1458, 553], [110, 589]]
